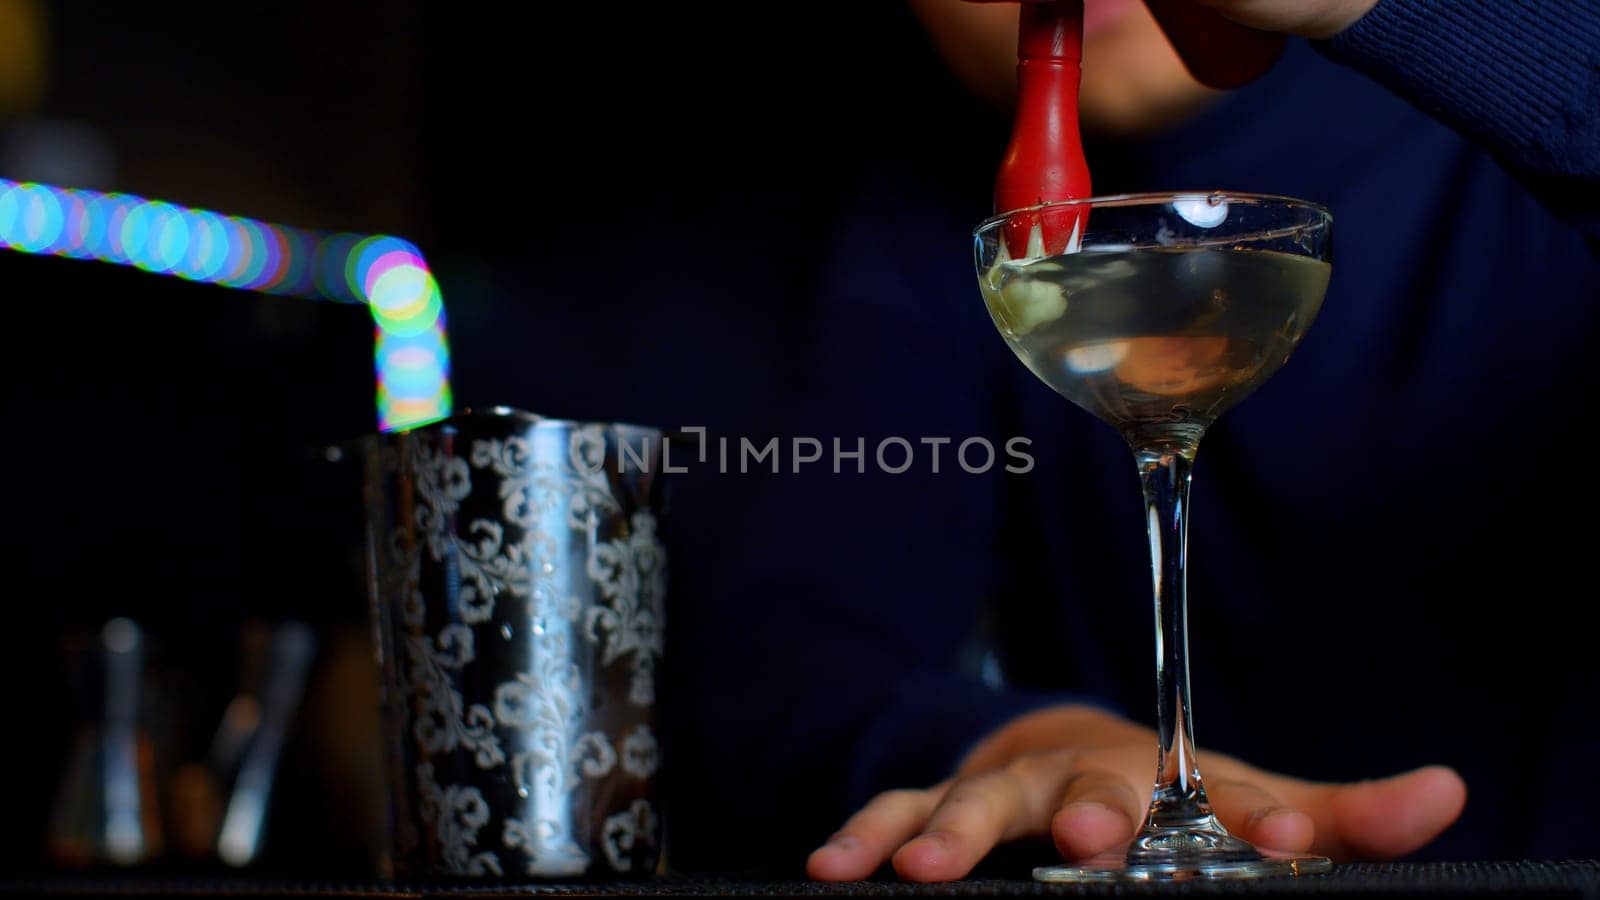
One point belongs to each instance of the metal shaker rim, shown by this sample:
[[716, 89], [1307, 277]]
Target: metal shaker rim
[[531, 418], [522, 416]]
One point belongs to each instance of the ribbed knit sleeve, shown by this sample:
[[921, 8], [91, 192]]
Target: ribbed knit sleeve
[[1521, 77]]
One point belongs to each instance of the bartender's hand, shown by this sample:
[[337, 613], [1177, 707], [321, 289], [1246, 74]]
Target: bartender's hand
[[1083, 776], [1307, 18], [1228, 43]]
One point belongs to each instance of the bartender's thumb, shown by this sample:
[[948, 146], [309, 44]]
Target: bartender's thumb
[[1218, 52]]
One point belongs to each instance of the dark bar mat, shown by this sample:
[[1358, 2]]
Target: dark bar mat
[[1515, 879]]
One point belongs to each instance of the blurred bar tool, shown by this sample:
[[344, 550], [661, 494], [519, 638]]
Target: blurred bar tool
[[244, 822], [222, 804], [106, 810]]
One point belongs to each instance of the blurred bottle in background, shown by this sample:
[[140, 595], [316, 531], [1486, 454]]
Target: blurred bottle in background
[[107, 811]]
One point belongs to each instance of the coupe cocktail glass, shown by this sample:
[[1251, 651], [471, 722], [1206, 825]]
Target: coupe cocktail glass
[[1164, 311]]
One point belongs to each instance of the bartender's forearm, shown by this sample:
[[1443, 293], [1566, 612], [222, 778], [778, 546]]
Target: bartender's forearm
[[1521, 77]]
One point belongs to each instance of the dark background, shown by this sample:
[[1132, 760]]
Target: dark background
[[163, 439]]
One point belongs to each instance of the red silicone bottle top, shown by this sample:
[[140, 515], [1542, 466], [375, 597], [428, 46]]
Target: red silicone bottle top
[[1044, 161]]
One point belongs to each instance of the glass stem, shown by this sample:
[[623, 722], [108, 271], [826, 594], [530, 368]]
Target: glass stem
[[1179, 802]]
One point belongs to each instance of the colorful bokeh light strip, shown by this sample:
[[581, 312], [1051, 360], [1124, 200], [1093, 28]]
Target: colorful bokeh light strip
[[386, 273]]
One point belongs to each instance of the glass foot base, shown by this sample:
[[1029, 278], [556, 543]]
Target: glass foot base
[[1115, 866]]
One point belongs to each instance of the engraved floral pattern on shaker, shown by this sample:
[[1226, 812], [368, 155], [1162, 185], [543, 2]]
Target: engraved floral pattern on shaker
[[456, 813], [631, 573], [634, 825], [640, 752], [441, 724]]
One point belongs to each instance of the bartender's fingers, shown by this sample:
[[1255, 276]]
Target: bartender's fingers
[[865, 842], [1247, 810], [1378, 819], [984, 809], [1098, 810]]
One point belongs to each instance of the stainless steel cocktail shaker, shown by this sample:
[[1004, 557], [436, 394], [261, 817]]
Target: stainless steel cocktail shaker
[[517, 586]]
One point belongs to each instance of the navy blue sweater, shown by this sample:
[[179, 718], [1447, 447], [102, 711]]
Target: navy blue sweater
[[1390, 541]]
